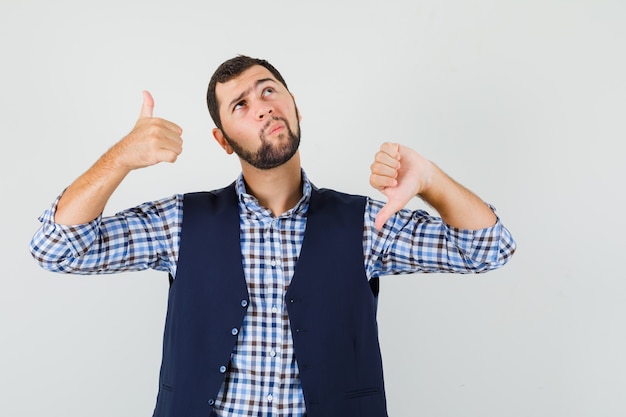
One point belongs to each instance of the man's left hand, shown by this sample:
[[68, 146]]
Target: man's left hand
[[399, 173]]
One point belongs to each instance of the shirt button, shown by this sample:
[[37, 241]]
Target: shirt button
[[272, 353], [273, 262], [270, 398], [274, 309], [222, 369], [234, 331]]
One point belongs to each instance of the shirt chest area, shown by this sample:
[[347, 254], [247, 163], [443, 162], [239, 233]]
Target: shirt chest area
[[270, 248]]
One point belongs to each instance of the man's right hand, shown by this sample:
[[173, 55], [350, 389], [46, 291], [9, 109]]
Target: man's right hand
[[151, 141]]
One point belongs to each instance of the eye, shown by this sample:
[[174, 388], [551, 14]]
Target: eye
[[239, 105], [267, 91]]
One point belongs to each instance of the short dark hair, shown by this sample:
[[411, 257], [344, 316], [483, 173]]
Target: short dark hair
[[229, 70]]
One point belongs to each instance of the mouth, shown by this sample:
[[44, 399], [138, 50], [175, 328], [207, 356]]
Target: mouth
[[276, 128]]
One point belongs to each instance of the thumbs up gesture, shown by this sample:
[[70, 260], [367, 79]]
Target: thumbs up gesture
[[151, 141], [399, 173]]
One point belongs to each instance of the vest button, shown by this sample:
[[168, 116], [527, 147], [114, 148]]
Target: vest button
[[222, 369], [234, 331], [211, 401], [244, 303]]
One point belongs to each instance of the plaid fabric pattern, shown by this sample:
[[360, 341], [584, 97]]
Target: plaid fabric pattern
[[414, 241], [146, 236], [263, 377]]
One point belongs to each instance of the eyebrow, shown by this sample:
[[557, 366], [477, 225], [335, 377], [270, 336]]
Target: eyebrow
[[245, 93]]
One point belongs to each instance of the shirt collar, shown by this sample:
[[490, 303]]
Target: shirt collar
[[250, 205]]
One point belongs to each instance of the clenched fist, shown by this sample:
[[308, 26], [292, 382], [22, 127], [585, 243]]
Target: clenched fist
[[151, 141], [399, 173]]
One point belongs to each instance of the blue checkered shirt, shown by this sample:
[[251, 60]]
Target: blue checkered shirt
[[263, 375]]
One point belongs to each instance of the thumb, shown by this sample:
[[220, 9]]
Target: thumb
[[384, 214], [148, 105]]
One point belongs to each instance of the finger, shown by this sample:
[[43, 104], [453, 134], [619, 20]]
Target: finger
[[384, 214], [389, 209], [167, 155], [383, 159], [155, 126], [172, 127], [381, 182], [175, 145], [391, 149], [379, 168], [148, 105], [165, 151], [383, 175]]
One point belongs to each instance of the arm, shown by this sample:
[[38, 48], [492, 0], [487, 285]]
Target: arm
[[467, 238], [74, 238], [415, 241], [400, 173], [151, 141], [146, 236]]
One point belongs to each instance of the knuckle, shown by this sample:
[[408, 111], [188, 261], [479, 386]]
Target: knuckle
[[154, 129]]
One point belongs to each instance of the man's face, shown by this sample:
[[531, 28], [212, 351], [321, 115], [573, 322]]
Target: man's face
[[260, 121]]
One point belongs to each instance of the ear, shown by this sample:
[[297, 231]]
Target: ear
[[296, 106], [221, 140]]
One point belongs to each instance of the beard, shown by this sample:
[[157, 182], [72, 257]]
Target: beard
[[270, 155]]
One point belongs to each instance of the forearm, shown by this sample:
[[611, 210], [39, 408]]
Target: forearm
[[415, 241], [142, 237], [85, 199], [456, 205]]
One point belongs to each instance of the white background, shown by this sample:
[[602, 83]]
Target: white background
[[521, 101]]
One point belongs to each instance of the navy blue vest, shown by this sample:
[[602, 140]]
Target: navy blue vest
[[331, 307]]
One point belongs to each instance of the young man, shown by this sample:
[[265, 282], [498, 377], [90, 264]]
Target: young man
[[272, 308]]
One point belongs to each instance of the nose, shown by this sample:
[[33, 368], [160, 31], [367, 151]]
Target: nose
[[264, 111]]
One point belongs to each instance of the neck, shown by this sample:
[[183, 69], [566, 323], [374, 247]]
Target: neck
[[278, 189]]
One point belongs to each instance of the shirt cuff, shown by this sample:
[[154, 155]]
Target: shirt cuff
[[77, 238], [478, 247]]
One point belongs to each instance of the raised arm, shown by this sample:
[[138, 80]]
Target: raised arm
[[401, 173], [151, 141]]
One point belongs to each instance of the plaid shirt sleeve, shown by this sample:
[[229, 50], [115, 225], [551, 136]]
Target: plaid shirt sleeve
[[414, 241], [146, 236]]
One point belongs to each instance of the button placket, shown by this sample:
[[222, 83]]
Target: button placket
[[275, 294], [274, 245]]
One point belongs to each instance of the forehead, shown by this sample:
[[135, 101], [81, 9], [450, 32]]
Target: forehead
[[224, 92]]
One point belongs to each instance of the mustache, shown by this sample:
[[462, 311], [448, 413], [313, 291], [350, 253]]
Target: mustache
[[274, 119]]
